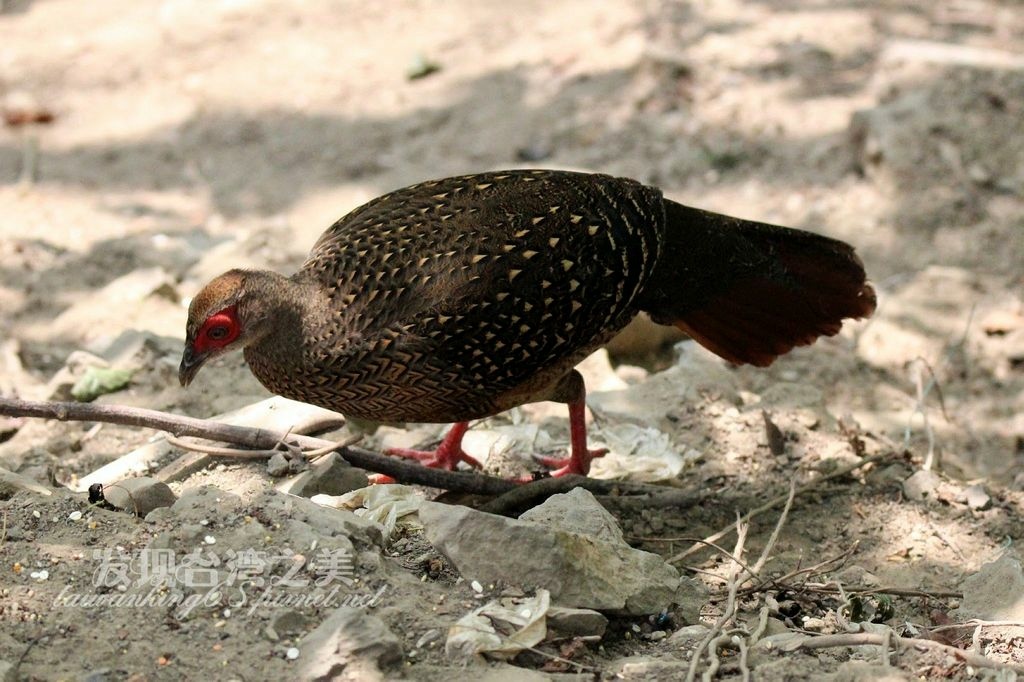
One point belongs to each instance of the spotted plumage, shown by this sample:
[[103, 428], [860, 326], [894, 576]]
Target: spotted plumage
[[459, 298]]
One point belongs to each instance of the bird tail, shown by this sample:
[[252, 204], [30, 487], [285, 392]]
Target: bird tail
[[750, 292]]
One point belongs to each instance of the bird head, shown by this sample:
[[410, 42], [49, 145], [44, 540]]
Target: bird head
[[219, 319]]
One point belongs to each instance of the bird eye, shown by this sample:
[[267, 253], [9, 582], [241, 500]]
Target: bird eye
[[217, 333]]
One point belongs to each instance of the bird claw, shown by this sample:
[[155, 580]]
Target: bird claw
[[564, 466], [441, 458]]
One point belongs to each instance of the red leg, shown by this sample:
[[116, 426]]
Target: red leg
[[447, 455], [578, 461]]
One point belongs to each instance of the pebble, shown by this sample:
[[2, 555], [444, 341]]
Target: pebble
[[277, 465], [75, 516], [139, 495], [292, 653], [976, 497]]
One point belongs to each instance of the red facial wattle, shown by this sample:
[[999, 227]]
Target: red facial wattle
[[219, 330]]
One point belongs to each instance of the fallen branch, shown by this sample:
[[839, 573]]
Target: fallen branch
[[267, 440]]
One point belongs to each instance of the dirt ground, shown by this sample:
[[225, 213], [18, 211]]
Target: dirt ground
[[190, 136]]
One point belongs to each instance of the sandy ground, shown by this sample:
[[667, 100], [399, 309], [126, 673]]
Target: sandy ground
[[190, 137]]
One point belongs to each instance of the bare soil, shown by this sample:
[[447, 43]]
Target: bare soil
[[194, 136]]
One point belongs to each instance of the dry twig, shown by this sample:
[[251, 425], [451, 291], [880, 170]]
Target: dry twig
[[266, 440]]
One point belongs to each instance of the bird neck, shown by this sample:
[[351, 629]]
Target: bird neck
[[280, 311]]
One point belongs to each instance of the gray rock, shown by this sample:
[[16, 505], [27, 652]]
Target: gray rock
[[922, 485], [311, 520], [12, 483], [278, 465], [579, 570], [289, 622], [15, 534], [975, 497], [994, 592], [566, 622], [695, 371], [350, 644], [862, 671], [691, 634], [576, 511], [691, 597], [332, 475], [202, 502], [139, 495]]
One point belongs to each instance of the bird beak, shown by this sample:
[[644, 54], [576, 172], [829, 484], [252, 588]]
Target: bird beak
[[190, 365]]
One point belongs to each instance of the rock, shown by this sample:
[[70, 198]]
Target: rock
[[691, 634], [922, 485], [857, 576], [579, 570], [332, 475], [994, 592], [15, 534], [139, 495], [349, 645], [775, 627], [289, 622], [201, 502], [12, 484], [646, 668], [576, 511], [696, 370], [308, 520], [691, 597], [862, 671], [567, 622], [278, 465], [975, 497]]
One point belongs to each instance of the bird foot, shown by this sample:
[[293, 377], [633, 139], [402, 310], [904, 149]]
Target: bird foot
[[441, 458], [563, 466]]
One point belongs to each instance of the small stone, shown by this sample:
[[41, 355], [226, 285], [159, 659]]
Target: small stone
[[580, 570], [139, 495], [688, 634], [774, 626], [290, 622], [277, 465], [922, 485], [477, 587], [292, 653], [210, 540], [994, 592], [75, 516], [976, 497], [568, 623], [331, 475], [428, 637], [8, 671], [352, 643]]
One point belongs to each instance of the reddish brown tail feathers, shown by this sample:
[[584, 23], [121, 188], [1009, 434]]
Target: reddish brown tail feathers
[[750, 292]]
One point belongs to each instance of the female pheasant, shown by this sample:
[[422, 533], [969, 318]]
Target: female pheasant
[[457, 299]]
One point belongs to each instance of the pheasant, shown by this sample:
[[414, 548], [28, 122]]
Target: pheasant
[[460, 298]]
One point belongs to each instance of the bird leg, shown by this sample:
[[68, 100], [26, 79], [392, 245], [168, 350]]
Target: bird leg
[[578, 461], [447, 455], [572, 390]]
